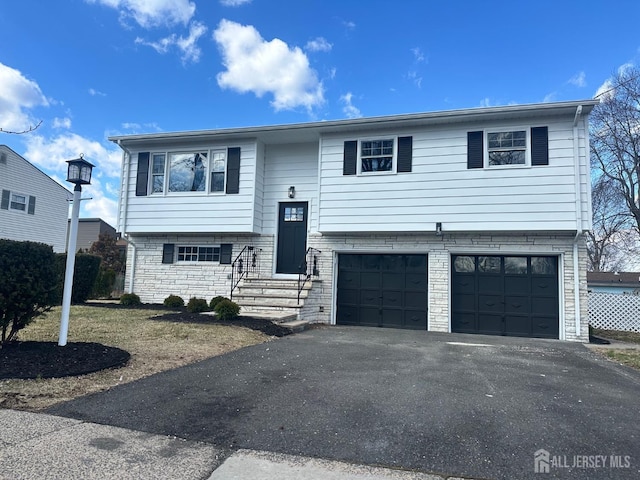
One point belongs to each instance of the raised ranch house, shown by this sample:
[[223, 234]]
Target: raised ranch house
[[466, 221], [33, 206]]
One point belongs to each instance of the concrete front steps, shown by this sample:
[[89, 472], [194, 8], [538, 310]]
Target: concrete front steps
[[273, 299]]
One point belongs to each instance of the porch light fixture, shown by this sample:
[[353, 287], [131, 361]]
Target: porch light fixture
[[439, 228], [292, 192], [78, 173]]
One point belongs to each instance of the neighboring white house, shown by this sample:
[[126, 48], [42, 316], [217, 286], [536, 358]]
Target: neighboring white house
[[33, 206], [467, 221]]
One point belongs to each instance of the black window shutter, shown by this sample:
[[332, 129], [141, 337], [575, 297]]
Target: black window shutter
[[142, 180], [539, 146], [167, 252], [405, 153], [31, 209], [5, 199], [475, 149], [350, 157], [233, 170], [226, 250]]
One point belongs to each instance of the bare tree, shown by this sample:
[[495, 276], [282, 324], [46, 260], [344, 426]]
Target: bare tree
[[615, 139], [608, 243], [30, 129], [615, 157]]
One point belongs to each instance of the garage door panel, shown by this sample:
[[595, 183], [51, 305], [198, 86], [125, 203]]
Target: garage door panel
[[416, 281], [392, 317], [371, 263], [464, 322], [349, 279], [490, 324], [544, 286], [393, 281], [350, 262], [370, 298], [464, 302], [517, 304], [519, 326], [392, 298], [415, 320], [416, 264], [543, 305], [348, 315], [490, 303], [369, 316], [490, 284], [463, 284], [517, 285], [370, 280], [349, 296], [544, 327], [415, 300]]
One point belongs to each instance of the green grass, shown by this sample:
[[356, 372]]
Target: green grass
[[626, 357]]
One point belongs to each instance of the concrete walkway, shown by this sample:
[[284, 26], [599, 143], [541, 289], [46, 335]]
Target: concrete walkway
[[40, 446]]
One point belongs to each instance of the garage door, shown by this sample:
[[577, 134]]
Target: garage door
[[382, 290], [505, 295]]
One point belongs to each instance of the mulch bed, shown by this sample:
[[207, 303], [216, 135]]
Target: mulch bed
[[48, 360], [265, 326]]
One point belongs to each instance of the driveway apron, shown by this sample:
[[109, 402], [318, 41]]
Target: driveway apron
[[450, 403]]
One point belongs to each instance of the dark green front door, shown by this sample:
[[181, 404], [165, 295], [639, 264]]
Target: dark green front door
[[292, 236], [381, 290]]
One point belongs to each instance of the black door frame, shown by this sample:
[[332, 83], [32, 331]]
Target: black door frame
[[302, 246]]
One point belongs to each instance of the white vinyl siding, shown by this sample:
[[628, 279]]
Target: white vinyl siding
[[285, 166], [48, 224], [441, 188], [199, 211]]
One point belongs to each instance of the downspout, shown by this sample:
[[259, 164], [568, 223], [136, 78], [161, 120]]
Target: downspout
[[579, 229], [122, 209]]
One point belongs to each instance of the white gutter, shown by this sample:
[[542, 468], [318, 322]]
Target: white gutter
[[122, 209], [579, 229]]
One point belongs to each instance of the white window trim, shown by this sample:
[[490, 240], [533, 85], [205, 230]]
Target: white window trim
[[26, 202], [509, 128], [151, 175], [212, 152], [196, 262], [394, 160]]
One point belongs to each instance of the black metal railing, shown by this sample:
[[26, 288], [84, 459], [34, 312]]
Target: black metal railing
[[307, 268], [245, 263]]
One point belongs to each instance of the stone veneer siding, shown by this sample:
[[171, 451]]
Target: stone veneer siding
[[154, 281]]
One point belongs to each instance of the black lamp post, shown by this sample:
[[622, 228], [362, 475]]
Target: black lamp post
[[78, 173]]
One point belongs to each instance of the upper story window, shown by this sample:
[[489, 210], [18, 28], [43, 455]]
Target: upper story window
[[157, 173], [18, 202], [187, 172], [376, 155], [218, 163], [384, 155], [507, 148]]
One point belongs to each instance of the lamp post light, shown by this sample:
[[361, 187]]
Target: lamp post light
[[78, 173]]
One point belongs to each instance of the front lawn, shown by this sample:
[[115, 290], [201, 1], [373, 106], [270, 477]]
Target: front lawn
[[154, 346], [630, 356]]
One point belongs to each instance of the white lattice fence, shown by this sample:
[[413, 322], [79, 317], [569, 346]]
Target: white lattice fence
[[614, 312]]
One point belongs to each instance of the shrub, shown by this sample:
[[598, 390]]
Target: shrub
[[227, 310], [27, 284], [173, 301], [197, 305], [85, 272], [103, 285], [130, 299], [215, 300]]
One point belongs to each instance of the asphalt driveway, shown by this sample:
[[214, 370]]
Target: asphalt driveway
[[447, 403]]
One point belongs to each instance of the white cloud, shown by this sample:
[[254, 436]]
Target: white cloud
[[318, 44], [579, 80], [234, 3], [96, 93], [418, 55], [187, 45], [259, 66], [62, 122], [415, 78], [18, 94], [100, 205], [550, 97], [349, 24], [152, 13], [350, 110], [607, 89], [52, 153]]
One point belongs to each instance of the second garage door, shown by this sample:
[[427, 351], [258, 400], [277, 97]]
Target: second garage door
[[505, 295], [382, 290]]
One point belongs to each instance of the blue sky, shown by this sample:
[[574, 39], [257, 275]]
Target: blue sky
[[89, 69]]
